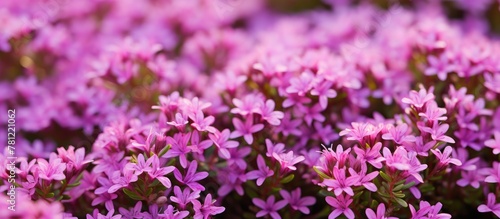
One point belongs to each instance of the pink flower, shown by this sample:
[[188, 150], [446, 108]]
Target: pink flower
[[52, 170], [202, 123], [399, 134], [444, 157], [341, 206], [122, 181], [287, 160], [158, 172], [371, 155], [296, 202], [269, 207], [364, 179], [262, 173], [340, 183], [246, 130], [203, 211], [494, 143], [438, 132], [490, 206], [420, 98], [267, 112], [380, 213], [179, 147], [323, 91], [191, 177], [182, 198], [276, 148], [440, 66], [220, 140], [494, 174]]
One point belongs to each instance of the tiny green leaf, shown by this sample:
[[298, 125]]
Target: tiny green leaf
[[287, 179]]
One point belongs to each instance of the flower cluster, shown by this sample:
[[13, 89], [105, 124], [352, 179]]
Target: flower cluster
[[243, 109]]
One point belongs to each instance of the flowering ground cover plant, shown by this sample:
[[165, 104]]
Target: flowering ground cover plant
[[249, 109]]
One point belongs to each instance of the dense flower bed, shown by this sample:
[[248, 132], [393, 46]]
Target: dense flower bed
[[245, 109]]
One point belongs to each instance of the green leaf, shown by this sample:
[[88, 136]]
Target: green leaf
[[320, 173], [276, 189], [74, 184], [50, 195], [398, 188], [399, 195], [164, 150], [401, 202], [154, 183], [384, 194], [407, 186], [132, 194], [288, 179], [385, 176]]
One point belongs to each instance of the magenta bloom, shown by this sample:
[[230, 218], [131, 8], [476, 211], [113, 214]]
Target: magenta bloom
[[221, 141], [493, 175], [191, 177], [158, 172], [52, 170], [202, 123], [491, 205], [288, 160], [340, 183], [269, 207], [494, 143], [262, 173], [182, 198], [371, 155], [399, 134], [444, 157], [380, 213], [246, 130], [267, 112], [420, 98], [438, 132], [179, 147], [364, 179], [297, 202], [203, 211], [341, 206]]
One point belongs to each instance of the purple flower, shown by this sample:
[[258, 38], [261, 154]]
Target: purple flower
[[297, 202], [105, 198], [141, 165], [490, 206], [52, 170], [364, 179], [438, 132], [247, 106], [433, 113], [440, 66], [277, 148], [420, 98], [371, 155], [158, 172], [246, 130], [399, 134], [198, 146], [134, 212], [470, 178], [208, 208], [494, 174], [494, 143], [341, 206], [182, 198], [191, 177], [359, 131], [122, 181], [202, 123], [301, 85], [220, 140], [380, 213], [287, 160], [398, 160], [289, 126], [340, 183], [323, 91], [267, 112], [179, 147], [262, 173], [171, 213], [444, 157], [180, 121], [269, 207]]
